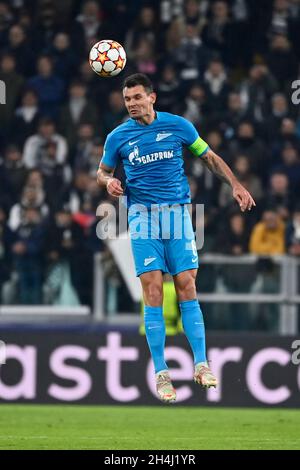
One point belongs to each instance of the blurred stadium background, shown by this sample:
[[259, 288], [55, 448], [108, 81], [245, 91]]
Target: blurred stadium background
[[70, 314]]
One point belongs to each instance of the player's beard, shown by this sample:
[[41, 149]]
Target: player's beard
[[136, 114], [143, 112]]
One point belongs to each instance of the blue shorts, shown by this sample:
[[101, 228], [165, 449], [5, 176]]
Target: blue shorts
[[162, 239]]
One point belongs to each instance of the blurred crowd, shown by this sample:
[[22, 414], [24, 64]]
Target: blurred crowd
[[227, 66]]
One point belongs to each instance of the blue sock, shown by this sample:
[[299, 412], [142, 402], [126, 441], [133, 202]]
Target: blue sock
[[193, 325], [156, 335]]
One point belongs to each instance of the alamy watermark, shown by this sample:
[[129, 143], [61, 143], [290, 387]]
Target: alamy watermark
[[2, 352], [296, 93], [2, 92], [296, 353], [152, 222]]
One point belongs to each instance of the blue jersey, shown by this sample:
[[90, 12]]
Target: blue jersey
[[152, 158]]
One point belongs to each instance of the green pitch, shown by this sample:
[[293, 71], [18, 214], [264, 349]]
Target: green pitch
[[162, 427]]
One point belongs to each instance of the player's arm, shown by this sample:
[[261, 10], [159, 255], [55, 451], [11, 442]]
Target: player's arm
[[217, 166], [214, 163], [107, 166], [105, 178]]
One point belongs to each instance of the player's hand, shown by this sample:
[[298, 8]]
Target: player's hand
[[243, 197], [114, 187]]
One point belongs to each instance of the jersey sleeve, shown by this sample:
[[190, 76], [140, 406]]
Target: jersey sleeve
[[110, 155], [191, 138]]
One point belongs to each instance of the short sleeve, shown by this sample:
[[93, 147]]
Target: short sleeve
[[110, 152], [191, 138]]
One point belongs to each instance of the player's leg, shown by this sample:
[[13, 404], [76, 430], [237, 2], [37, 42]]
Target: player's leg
[[193, 325], [152, 285], [148, 253], [191, 314], [182, 262]]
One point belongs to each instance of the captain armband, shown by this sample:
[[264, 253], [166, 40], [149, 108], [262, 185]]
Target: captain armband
[[199, 147]]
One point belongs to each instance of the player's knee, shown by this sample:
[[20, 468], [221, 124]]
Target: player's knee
[[153, 294], [186, 288]]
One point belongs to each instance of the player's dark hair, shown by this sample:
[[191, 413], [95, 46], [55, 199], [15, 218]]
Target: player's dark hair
[[138, 79]]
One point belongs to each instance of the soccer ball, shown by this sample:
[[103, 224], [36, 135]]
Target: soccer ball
[[107, 58]]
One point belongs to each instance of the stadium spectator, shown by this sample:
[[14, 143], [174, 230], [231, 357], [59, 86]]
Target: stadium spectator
[[216, 87], [219, 34], [241, 167], [47, 152], [291, 167], [286, 135], [65, 245], [7, 238], [279, 111], [178, 15], [168, 89], [28, 256], [79, 187], [280, 17], [256, 91], [191, 56], [120, 12], [36, 144], [14, 83], [234, 240], [97, 90], [216, 141], [35, 179], [92, 196], [144, 57], [282, 61], [267, 236], [26, 118], [64, 56], [6, 19], [247, 143], [6, 193], [14, 171], [32, 198], [48, 86], [88, 24], [293, 233], [46, 25], [278, 195], [195, 105], [84, 143], [116, 111], [90, 162], [19, 47], [194, 13], [233, 116], [78, 110], [145, 27]]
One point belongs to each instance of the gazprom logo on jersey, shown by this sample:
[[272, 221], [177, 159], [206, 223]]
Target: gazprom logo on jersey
[[135, 158], [164, 222]]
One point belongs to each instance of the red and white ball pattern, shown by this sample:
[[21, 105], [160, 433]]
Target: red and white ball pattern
[[107, 58]]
